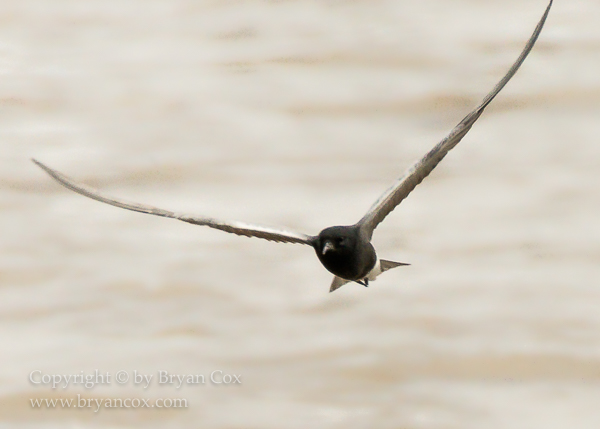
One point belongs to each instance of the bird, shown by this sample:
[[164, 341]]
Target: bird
[[345, 251]]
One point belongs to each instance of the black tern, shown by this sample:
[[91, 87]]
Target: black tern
[[345, 251]]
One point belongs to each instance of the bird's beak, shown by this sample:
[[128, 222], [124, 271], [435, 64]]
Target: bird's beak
[[328, 246]]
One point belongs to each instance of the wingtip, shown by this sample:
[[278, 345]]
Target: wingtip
[[45, 168], [39, 164], [547, 11]]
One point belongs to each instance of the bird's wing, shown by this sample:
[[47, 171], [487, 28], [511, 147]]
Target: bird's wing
[[421, 169], [239, 228]]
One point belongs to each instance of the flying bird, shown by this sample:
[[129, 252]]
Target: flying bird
[[345, 251]]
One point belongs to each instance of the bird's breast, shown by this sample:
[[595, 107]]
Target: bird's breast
[[348, 264]]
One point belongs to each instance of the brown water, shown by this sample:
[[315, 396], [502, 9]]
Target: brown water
[[300, 114]]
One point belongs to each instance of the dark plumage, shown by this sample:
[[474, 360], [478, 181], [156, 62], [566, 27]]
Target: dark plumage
[[346, 251]]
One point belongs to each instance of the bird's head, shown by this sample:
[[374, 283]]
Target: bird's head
[[336, 240]]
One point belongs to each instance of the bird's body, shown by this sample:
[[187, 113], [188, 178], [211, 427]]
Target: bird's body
[[346, 251]]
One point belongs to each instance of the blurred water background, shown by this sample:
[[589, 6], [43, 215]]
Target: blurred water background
[[300, 113]]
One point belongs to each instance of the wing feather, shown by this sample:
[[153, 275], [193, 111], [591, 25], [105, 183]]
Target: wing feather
[[421, 169], [234, 227]]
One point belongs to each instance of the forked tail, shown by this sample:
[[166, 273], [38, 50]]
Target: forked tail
[[384, 265]]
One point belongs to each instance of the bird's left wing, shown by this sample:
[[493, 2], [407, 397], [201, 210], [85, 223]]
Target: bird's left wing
[[421, 169], [239, 228]]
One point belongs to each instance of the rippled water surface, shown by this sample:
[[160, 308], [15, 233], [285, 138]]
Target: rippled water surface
[[300, 113]]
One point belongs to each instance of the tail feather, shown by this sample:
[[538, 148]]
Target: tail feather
[[384, 265], [337, 283], [388, 265]]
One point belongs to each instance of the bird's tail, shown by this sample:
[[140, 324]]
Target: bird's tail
[[337, 283], [388, 265], [384, 265]]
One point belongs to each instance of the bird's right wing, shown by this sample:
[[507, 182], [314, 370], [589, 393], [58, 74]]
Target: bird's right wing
[[239, 228], [421, 169]]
